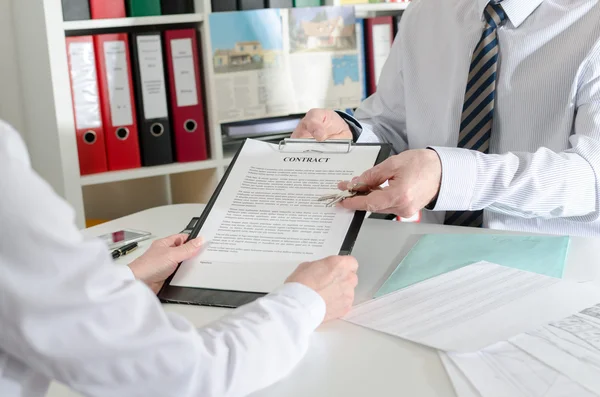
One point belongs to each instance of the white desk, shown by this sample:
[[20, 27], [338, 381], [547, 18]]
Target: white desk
[[344, 359]]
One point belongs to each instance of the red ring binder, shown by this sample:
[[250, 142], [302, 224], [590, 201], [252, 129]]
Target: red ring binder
[[117, 100]]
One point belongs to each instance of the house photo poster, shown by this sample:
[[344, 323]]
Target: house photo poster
[[272, 62]]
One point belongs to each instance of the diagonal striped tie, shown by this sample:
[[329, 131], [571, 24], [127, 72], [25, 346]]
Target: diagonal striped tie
[[478, 110]]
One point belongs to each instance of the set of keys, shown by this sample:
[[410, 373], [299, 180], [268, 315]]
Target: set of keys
[[342, 195]]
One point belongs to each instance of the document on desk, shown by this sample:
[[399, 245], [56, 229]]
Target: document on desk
[[267, 218], [504, 370], [473, 307], [462, 385], [570, 346]]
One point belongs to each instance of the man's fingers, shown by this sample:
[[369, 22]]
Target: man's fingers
[[373, 202], [317, 129], [322, 124], [373, 177], [301, 131], [355, 186], [343, 185]]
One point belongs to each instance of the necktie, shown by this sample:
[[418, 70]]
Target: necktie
[[478, 109]]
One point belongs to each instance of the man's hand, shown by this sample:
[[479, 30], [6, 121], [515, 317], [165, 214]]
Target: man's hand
[[322, 124], [162, 258], [414, 181], [333, 278]]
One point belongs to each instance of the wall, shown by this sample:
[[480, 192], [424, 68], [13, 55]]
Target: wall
[[10, 90]]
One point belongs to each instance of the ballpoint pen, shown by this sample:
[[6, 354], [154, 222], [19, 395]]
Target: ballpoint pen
[[124, 250]]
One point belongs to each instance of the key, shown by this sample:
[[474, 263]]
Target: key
[[337, 197]]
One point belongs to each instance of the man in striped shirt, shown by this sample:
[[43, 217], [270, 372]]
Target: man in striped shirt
[[493, 109]]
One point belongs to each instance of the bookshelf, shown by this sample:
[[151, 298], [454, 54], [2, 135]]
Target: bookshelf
[[97, 24], [375, 9], [146, 172], [36, 99]]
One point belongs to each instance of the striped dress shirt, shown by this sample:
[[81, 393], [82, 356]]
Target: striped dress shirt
[[543, 170]]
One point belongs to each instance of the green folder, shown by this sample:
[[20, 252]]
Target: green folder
[[307, 3], [436, 254], [143, 8]]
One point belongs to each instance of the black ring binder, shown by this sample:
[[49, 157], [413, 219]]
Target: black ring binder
[[157, 129]]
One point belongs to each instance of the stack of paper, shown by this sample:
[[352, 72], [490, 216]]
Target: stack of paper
[[472, 316], [503, 370], [561, 359], [474, 307]]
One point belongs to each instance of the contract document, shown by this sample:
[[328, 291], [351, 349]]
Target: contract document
[[467, 309], [266, 218]]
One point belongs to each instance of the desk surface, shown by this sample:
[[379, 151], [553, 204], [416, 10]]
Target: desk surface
[[344, 359]]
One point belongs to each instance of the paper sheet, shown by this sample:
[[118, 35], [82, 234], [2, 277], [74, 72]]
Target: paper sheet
[[152, 76], [436, 254], [504, 370], [267, 219], [115, 53], [571, 346], [382, 46], [473, 307], [461, 384], [86, 99]]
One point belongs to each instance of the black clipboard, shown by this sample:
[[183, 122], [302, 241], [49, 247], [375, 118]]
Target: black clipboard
[[233, 299]]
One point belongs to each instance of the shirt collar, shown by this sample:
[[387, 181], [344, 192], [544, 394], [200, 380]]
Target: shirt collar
[[516, 10]]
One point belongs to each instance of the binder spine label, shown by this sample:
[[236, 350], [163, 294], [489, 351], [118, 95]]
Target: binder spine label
[[382, 43], [118, 83], [362, 67], [85, 85], [152, 75], [185, 73]]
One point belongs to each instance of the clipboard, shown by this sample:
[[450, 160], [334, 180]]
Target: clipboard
[[234, 299]]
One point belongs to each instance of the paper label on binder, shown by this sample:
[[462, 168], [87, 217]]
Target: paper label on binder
[[153, 77], [185, 73], [117, 71], [85, 85], [382, 44]]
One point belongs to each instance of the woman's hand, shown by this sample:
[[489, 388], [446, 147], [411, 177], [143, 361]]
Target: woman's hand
[[162, 258]]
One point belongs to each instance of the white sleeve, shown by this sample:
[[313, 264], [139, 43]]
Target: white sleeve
[[543, 184], [382, 116], [69, 313]]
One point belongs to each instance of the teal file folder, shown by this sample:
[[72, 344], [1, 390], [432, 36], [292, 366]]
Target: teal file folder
[[437, 254]]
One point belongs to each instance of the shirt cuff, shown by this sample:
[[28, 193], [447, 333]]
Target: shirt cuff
[[354, 125], [459, 176], [127, 272], [308, 298]]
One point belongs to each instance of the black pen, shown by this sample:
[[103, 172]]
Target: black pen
[[124, 250]]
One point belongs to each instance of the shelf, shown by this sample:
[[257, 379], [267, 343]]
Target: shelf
[[369, 10], [96, 24], [146, 172]]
